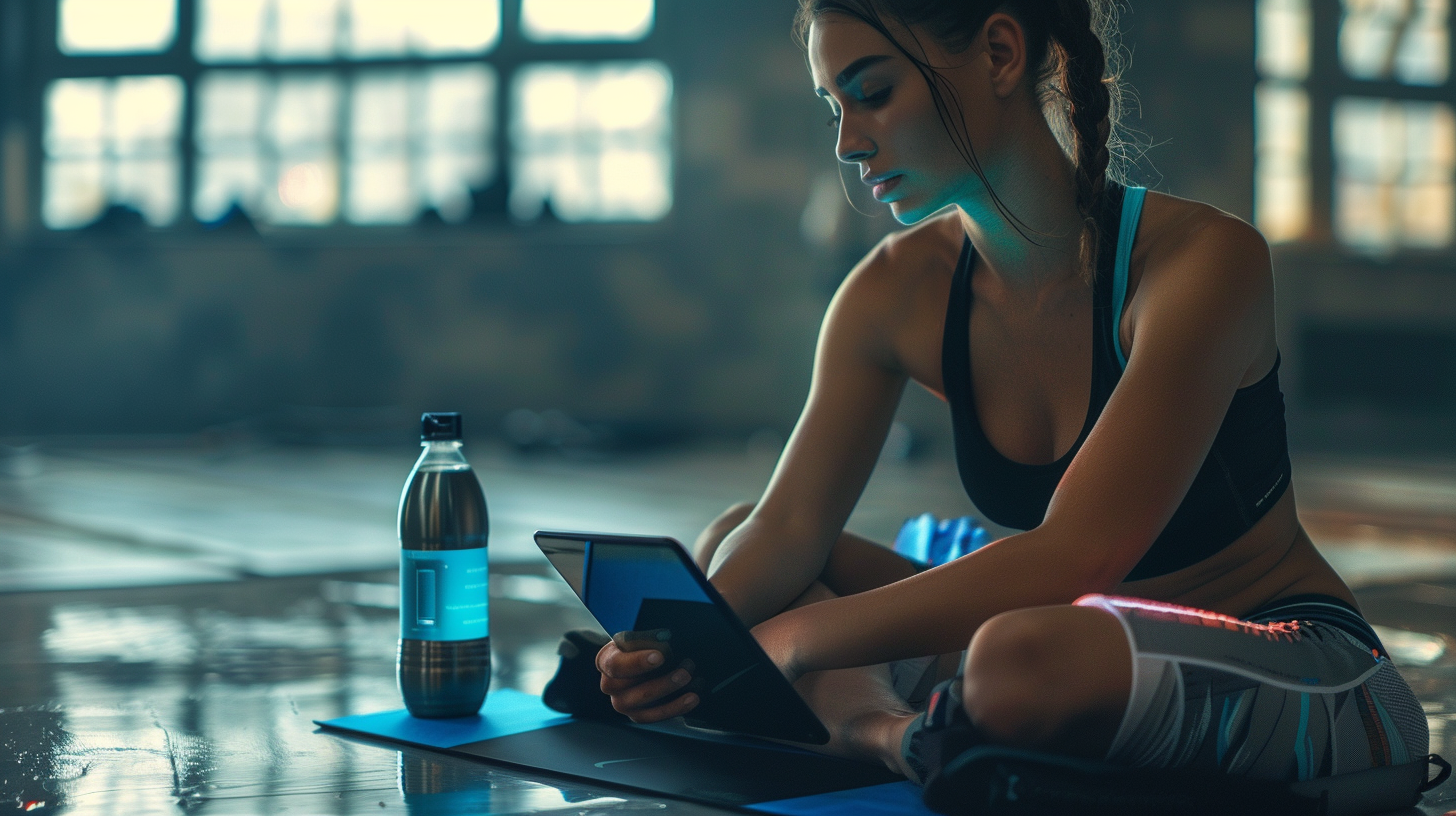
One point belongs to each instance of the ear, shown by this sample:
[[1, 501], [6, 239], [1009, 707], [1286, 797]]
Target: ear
[[1006, 47]]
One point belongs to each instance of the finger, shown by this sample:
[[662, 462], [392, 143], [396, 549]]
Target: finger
[[647, 638], [619, 664], [666, 711], [649, 693], [616, 685], [659, 640]]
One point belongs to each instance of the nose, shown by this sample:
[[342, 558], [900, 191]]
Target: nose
[[852, 146]]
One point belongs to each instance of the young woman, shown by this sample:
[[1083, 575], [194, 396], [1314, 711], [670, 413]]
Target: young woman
[[1109, 360]]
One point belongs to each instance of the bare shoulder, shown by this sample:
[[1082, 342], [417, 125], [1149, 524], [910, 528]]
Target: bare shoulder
[[1185, 242], [1199, 269], [893, 301], [905, 258]]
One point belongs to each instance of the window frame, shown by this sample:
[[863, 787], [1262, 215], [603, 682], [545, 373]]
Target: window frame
[[1327, 82], [511, 52]]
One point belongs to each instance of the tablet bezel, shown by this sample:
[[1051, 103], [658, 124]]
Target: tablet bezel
[[809, 729]]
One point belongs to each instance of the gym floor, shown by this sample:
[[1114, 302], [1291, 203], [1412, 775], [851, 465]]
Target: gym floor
[[176, 616]]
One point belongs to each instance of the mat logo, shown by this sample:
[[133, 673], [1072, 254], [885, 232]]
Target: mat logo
[[605, 763]]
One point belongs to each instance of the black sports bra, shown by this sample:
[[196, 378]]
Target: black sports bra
[[1246, 470]]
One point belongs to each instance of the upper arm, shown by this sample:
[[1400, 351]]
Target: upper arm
[[1206, 316], [856, 386]]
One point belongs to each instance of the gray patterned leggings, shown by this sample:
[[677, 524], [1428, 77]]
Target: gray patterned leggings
[[1301, 690]]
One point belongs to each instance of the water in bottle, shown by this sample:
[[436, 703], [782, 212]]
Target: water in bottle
[[444, 623]]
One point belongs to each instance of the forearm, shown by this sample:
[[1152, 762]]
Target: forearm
[[937, 611], [762, 567]]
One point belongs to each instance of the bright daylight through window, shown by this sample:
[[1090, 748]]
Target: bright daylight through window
[[317, 112], [1387, 116]]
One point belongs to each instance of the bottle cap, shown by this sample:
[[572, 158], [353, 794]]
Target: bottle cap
[[439, 426]]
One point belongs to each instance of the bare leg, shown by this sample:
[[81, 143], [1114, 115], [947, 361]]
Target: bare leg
[[1053, 678], [858, 706]]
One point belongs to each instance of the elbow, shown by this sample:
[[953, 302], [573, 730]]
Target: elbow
[[1096, 564], [1110, 562]]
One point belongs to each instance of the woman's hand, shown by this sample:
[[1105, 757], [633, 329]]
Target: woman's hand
[[636, 674]]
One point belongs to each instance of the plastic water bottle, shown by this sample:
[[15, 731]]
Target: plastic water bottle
[[444, 621]]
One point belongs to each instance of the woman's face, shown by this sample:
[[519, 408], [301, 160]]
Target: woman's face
[[887, 120]]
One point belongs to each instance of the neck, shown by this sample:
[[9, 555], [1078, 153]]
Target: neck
[[1036, 182]]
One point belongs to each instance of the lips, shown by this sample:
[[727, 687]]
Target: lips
[[883, 184]]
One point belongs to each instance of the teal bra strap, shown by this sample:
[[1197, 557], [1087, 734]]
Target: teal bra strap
[[1132, 210]]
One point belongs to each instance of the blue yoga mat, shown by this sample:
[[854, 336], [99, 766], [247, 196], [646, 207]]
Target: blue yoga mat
[[670, 760]]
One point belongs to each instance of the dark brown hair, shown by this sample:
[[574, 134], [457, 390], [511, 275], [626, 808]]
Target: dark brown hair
[[1069, 45]]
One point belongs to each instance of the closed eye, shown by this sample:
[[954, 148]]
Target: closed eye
[[874, 100]]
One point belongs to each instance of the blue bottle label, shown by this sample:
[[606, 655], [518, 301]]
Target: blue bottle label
[[444, 594]]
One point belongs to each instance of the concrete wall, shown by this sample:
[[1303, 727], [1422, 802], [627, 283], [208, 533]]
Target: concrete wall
[[702, 323], [706, 320]]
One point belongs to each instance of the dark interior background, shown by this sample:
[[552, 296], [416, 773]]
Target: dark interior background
[[701, 325]]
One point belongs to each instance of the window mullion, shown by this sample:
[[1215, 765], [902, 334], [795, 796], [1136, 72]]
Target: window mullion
[[1323, 86], [186, 144]]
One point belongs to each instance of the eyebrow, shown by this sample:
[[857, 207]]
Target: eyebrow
[[855, 68]]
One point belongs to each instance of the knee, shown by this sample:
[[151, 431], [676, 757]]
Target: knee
[[1008, 677], [1033, 676], [717, 530]]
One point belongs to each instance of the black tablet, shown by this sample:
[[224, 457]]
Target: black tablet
[[641, 583]]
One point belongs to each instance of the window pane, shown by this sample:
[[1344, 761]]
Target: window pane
[[380, 188], [1281, 39], [75, 192], [116, 26], [1428, 209], [1281, 177], [146, 115], [307, 189], [592, 141], [444, 27], [76, 117], [1394, 172], [449, 177], [225, 180], [1424, 57], [305, 110], [418, 139], [379, 28], [459, 119], [390, 28], [149, 186], [230, 30], [304, 29], [554, 20], [230, 106], [111, 141], [380, 112], [1403, 39]]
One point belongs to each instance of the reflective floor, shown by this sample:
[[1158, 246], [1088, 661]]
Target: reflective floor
[[174, 619]]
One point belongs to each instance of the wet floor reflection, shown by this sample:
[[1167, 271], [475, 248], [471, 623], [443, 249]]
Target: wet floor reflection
[[200, 699]]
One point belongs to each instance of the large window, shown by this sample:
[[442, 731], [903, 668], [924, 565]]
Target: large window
[[1355, 130], [320, 112]]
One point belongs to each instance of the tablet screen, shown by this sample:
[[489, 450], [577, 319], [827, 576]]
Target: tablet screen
[[647, 585]]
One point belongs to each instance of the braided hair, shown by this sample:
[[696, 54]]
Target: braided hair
[[1076, 81]]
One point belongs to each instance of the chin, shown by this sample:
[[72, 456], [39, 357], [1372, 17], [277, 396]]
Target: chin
[[907, 213]]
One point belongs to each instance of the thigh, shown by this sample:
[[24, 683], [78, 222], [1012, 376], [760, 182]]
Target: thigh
[[857, 565], [1282, 701]]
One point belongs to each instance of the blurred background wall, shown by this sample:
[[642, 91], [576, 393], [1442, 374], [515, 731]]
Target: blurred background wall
[[299, 218]]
